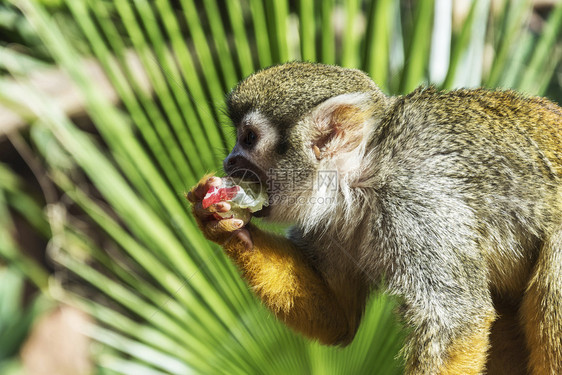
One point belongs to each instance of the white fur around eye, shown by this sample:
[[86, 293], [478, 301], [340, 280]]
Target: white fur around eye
[[266, 132]]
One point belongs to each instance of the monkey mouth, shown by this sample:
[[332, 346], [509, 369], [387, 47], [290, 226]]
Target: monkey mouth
[[253, 175], [246, 171], [246, 175]]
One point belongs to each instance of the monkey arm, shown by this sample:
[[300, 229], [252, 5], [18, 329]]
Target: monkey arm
[[294, 291], [281, 275]]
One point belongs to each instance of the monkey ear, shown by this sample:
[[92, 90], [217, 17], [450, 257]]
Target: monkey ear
[[341, 124]]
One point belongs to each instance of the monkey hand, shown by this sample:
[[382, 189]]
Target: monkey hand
[[215, 228]]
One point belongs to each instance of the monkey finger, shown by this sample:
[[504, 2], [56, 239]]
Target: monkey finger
[[201, 212], [219, 227], [222, 207], [198, 191], [190, 196]]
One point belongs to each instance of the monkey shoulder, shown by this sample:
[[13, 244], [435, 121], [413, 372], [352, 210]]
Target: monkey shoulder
[[471, 157], [478, 127]]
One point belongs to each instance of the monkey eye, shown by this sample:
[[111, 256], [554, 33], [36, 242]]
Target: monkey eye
[[249, 138]]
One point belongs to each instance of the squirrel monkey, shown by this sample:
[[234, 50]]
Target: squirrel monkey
[[450, 200]]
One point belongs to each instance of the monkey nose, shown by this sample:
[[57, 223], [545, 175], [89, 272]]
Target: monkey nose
[[229, 163]]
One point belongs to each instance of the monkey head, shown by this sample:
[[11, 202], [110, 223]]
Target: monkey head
[[302, 130]]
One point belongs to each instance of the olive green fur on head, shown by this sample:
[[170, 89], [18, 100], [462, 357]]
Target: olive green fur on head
[[286, 92]]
